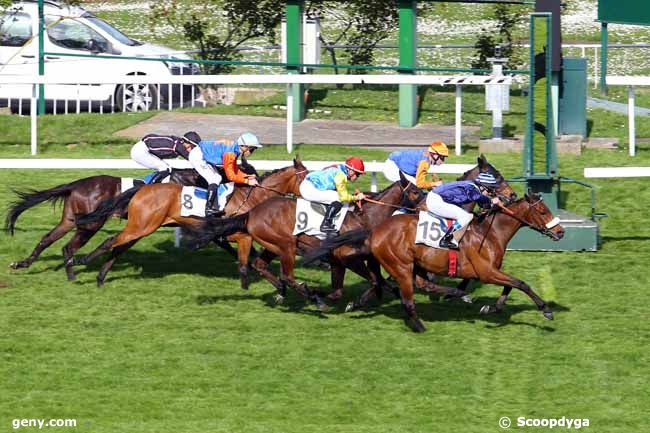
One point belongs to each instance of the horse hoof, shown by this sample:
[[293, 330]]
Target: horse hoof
[[349, 307], [485, 309], [14, 265], [279, 299], [417, 326], [71, 276], [467, 299], [335, 295], [548, 315]]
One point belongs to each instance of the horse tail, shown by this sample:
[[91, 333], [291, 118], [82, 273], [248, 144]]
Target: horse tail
[[215, 228], [328, 245], [117, 205], [33, 197]]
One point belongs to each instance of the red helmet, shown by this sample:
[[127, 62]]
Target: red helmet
[[355, 164]]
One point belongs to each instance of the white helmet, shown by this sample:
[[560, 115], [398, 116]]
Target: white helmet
[[248, 139]]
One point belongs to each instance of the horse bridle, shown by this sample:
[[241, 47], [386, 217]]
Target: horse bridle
[[545, 230]]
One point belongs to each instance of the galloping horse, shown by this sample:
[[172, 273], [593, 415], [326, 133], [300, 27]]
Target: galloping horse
[[480, 257], [79, 197], [271, 225], [156, 205]]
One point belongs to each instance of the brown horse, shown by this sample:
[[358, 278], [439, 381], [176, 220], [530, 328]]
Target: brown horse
[[79, 197], [160, 204], [271, 225], [480, 257]]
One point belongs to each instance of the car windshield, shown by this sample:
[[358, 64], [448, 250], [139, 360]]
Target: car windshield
[[115, 33]]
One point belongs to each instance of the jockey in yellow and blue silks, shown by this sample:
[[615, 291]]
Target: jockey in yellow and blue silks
[[209, 155], [415, 164], [329, 186]]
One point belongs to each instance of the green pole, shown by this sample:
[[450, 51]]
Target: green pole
[[529, 141], [603, 57], [551, 151], [294, 9], [407, 59], [41, 57]]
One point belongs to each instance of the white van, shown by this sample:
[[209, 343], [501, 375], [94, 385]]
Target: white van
[[73, 30]]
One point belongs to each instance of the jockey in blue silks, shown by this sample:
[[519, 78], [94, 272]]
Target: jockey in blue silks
[[446, 201], [209, 155]]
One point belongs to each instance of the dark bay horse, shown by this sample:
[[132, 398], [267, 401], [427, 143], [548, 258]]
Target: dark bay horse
[[79, 197], [153, 206], [480, 257]]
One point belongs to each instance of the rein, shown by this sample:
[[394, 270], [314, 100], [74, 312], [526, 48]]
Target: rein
[[369, 200]]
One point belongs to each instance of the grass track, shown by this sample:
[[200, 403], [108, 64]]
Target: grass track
[[171, 344]]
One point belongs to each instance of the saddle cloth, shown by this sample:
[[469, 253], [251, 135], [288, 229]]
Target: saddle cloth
[[309, 217], [193, 199], [430, 229]]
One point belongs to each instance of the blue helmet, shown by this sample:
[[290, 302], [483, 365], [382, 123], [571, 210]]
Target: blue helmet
[[486, 180], [248, 139]]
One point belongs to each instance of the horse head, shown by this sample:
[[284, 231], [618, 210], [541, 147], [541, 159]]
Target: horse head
[[504, 191], [533, 212], [411, 194]]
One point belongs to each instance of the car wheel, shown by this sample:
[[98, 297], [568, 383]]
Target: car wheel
[[136, 97]]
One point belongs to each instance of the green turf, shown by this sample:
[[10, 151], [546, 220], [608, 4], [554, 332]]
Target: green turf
[[172, 344]]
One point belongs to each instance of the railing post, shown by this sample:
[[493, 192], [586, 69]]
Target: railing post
[[459, 119], [631, 119], [290, 118], [34, 118]]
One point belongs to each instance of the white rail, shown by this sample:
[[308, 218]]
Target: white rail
[[593, 172], [286, 79], [630, 82]]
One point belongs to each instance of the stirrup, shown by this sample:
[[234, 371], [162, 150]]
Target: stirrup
[[210, 212], [327, 228], [448, 243]]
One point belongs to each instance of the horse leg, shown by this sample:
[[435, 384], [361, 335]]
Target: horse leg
[[117, 251], [287, 262], [53, 235], [105, 246], [488, 309], [503, 279], [430, 287], [261, 263], [244, 244], [80, 238], [337, 277]]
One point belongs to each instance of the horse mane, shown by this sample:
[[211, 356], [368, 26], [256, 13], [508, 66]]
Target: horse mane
[[270, 173], [377, 195]]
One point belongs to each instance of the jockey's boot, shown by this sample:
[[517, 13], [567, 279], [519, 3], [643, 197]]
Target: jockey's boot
[[160, 176], [327, 226], [447, 240], [211, 203]]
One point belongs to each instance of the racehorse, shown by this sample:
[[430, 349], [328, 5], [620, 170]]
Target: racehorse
[[271, 224], [480, 257], [83, 197], [79, 197], [153, 206]]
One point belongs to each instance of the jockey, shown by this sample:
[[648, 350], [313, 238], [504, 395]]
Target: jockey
[[445, 201], [329, 186], [209, 155], [414, 165], [154, 148]]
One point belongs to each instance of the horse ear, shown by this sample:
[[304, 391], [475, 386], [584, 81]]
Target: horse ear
[[402, 180], [296, 161], [482, 161]]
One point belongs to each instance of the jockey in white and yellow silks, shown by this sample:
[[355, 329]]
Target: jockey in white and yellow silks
[[329, 186], [415, 164]]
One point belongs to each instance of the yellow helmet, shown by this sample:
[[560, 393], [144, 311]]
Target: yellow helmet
[[439, 147]]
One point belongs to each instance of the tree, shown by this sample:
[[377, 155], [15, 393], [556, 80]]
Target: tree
[[220, 26], [507, 18], [365, 24]]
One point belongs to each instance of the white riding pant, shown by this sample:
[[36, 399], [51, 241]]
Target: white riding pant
[[309, 192], [438, 206], [140, 154], [391, 172], [208, 172]]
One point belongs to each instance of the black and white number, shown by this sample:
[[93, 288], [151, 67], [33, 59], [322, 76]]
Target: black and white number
[[187, 201], [302, 220]]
